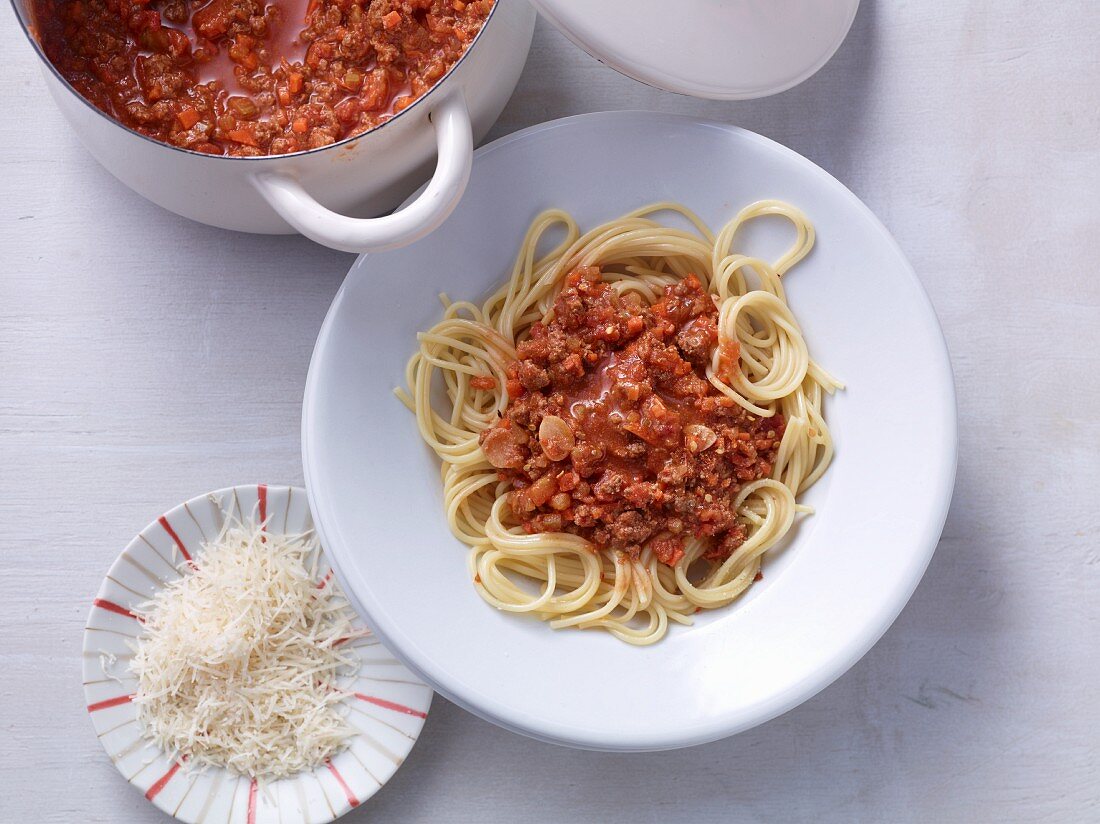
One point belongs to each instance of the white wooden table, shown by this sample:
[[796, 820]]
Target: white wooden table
[[144, 359]]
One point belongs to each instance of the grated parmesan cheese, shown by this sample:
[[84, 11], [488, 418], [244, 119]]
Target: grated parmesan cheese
[[238, 660]]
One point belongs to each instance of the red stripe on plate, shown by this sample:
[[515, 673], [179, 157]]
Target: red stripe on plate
[[162, 782], [168, 528], [110, 702], [261, 491], [111, 606], [390, 705], [343, 784], [251, 816]]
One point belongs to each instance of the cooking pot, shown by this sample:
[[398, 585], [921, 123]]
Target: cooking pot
[[331, 194]]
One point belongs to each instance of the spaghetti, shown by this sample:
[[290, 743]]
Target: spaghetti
[[627, 421]]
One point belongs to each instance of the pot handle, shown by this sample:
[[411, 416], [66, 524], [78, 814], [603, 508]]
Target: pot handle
[[454, 136]]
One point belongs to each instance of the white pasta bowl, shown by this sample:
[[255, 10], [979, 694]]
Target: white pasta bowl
[[387, 704], [828, 593]]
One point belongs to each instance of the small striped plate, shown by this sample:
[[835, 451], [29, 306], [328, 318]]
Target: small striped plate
[[387, 703]]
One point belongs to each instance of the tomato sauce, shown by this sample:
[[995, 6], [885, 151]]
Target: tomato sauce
[[613, 431], [249, 78]]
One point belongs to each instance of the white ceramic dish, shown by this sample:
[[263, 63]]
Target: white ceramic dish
[[721, 49], [388, 709], [330, 194], [824, 600]]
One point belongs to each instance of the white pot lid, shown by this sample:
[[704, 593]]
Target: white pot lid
[[720, 49]]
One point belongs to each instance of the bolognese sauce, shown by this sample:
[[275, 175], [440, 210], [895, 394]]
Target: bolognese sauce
[[613, 431], [251, 77]]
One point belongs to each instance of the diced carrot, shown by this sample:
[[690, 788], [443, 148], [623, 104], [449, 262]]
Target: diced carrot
[[402, 102], [300, 125], [241, 136], [251, 61], [392, 20], [284, 96], [294, 82], [188, 117], [458, 5]]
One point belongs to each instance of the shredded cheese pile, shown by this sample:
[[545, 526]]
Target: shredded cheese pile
[[238, 660]]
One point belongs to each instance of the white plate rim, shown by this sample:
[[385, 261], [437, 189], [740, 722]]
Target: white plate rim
[[718, 727]]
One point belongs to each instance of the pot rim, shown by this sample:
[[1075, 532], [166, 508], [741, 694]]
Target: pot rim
[[25, 26]]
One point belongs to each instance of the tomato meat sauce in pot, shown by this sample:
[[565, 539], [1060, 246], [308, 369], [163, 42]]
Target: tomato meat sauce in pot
[[245, 77], [277, 116]]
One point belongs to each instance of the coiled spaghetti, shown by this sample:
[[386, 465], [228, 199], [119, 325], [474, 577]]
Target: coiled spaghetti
[[561, 577]]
